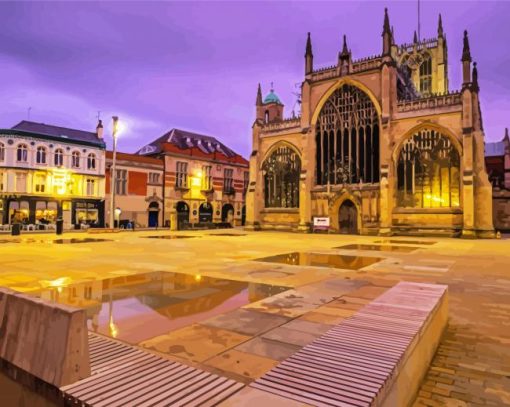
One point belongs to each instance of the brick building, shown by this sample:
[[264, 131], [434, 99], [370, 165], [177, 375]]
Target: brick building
[[139, 189], [497, 160], [205, 181]]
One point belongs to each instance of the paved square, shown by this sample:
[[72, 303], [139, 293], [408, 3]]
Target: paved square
[[472, 365]]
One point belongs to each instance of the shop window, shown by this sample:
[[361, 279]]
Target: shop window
[[59, 157], [181, 180], [40, 156], [91, 161], [281, 172], [75, 159], [22, 153], [121, 182]]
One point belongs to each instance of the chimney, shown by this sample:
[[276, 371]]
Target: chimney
[[99, 129]]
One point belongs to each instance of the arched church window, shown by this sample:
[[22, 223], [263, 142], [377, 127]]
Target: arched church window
[[428, 172], [426, 75], [347, 139], [281, 178], [266, 117]]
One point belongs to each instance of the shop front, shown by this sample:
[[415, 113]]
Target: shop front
[[89, 212]]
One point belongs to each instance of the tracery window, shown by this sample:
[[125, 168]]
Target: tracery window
[[75, 159], [347, 139], [426, 75], [22, 153], [428, 172], [91, 161], [281, 178], [59, 157]]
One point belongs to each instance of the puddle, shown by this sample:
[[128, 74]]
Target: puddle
[[322, 260], [418, 242], [169, 237], [379, 248], [76, 240], [138, 307], [227, 234]]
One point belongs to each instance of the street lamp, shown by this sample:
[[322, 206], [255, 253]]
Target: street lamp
[[113, 173]]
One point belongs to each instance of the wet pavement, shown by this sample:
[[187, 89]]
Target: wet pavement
[[472, 366], [379, 248]]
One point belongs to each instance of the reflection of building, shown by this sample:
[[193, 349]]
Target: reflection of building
[[48, 171], [497, 160], [381, 147], [205, 181], [139, 188]]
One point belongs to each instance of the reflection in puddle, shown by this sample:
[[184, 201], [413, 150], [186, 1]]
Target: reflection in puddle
[[138, 307], [422, 242], [322, 260], [379, 248], [227, 234], [82, 240], [169, 237]]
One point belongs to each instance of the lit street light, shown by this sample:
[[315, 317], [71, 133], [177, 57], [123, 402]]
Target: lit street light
[[113, 172]]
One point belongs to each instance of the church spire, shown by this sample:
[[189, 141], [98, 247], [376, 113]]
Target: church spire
[[308, 56], [440, 26], [475, 86], [259, 97], [466, 53], [415, 39], [345, 51], [386, 34]]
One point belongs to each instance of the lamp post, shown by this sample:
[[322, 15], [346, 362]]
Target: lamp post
[[113, 173]]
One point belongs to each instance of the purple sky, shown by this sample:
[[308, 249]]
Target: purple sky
[[196, 66]]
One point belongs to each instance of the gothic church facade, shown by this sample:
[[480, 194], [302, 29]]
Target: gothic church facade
[[382, 146]]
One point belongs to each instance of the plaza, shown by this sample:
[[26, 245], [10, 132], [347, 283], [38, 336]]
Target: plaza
[[331, 278]]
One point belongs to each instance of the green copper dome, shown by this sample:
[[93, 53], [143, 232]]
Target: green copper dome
[[272, 98]]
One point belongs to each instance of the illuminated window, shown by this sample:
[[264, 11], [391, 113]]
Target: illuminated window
[[21, 182], [181, 180], [59, 157], [40, 183], [347, 139], [426, 75], [91, 187], [281, 178], [428, 172], [206, 177], [228, 181], [75, 159], [2, 152], [40, 156], [154, 178], [91, 162], [121, 182], [22, 153]]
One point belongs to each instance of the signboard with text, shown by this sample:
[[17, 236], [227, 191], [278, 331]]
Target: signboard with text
[[321, 223]]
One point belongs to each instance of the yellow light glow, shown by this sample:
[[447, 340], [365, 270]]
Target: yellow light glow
[[121, 128], [114, 330], [59, 282], [196, 182], [434, 198], [198, 277], [197, 173]]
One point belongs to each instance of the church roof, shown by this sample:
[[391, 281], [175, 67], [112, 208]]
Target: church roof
[[48, 131], [185, 140], [272, 98], [495, 149]]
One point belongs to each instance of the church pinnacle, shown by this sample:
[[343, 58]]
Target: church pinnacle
[[440, 26], [259, 96], [308, 56], [466, 53], [386, 34]]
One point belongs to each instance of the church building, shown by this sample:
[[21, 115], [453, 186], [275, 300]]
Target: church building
[[382, 147]]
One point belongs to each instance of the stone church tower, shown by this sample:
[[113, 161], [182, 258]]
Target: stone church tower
[[382, 146]]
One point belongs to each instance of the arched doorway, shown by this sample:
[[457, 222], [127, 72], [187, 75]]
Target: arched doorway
[[243, 215], [153, 215], [205, 212], [348, 218], [182, 214], [227, 214]]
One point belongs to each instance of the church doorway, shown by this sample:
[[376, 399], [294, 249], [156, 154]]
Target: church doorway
[[348, 218], [182, 214], [205, 212]]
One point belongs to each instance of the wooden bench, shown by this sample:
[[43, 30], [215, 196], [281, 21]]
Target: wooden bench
[[377, 357]]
